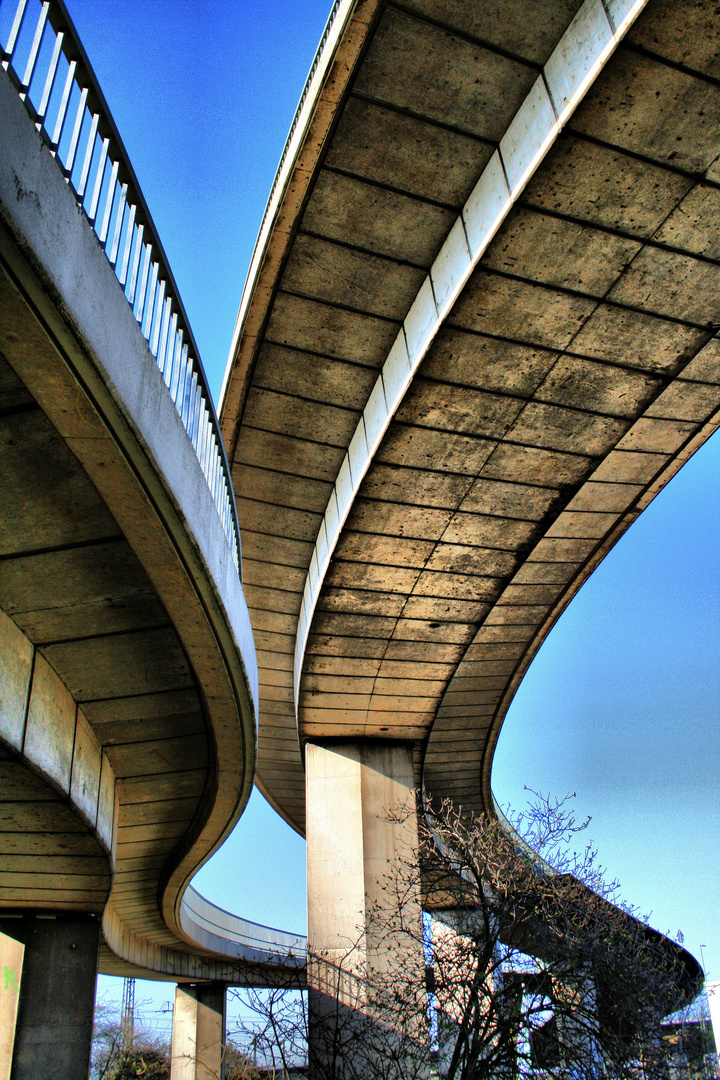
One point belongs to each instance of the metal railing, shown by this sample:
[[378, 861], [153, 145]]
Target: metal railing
[[301, 104], [219, 930], [44, 58]]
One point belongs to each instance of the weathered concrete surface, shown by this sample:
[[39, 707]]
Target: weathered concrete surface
[[120, 587], [198, 1032], [574, 374], [364, 911], [57, 996]]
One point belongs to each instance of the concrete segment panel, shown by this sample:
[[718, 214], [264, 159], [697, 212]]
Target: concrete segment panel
[[16, 660], [578, 57], [672, 284], [50, 733], [561, 253], [396, 373], [530, 32], [87, 759], [375, 219], [523, 311], [459, 409], [694, 223], [443, 77], [528, 137], [318, 378], [420, 323], [705, 366], [304, 323], [654, 110], [486, 206], [406, 152], [442, 450], [322, 270], [635, 338], [451, 268], [487, 363], [605, 187]]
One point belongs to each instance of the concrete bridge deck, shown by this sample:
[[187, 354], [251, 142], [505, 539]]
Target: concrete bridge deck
[[479, 335], [128, 718]]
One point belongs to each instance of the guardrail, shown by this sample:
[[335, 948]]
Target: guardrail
[[214, 928], [43, 56]]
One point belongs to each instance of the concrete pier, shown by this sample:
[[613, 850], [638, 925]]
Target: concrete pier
[[364, 917], [57, 995], [198, 1032]]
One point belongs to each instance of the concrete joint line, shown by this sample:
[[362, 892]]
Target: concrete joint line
[[590, 39]]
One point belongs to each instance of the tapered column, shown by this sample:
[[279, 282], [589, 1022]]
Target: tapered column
[[57, 996], [198, 1032], [364, 915]]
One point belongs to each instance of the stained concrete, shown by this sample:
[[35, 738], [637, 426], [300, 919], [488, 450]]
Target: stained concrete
[[568, 382]]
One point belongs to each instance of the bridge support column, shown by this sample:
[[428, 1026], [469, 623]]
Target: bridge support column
[[53, 1035], [364, 916], [198, 1032]]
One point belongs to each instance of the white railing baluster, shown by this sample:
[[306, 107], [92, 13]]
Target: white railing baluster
[[15, 30], [163, 324], [64, 102], [172, 352], [102, 235], [50, 77], [140, 250], [151, 297], [158, 319], [35, 47], [132, 249], [75, 138], [92, 209], [130, 229], [89, 151], [114, 247]]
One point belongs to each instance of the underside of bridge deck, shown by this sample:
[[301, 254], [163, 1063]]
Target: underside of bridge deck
[[127, 721], [574, 372]]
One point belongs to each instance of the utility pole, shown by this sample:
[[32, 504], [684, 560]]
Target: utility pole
[[127, 1016]]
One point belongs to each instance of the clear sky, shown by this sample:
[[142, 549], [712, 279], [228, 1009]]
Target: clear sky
[[622, 703]]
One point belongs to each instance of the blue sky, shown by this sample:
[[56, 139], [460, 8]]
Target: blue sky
[[622, 703]]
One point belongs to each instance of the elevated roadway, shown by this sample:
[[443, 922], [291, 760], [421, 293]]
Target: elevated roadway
[[478, 337], [128, 710]]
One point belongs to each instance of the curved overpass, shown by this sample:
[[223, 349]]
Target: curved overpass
[[128, 711], [477, 338]]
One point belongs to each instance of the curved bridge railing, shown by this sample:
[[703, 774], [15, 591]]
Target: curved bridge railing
[[214, 928], [41, 51]]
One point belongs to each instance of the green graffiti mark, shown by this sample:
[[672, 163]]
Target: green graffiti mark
[[11, 979]]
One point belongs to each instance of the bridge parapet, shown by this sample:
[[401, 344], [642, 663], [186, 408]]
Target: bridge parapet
[[46, 61], [221, 931]]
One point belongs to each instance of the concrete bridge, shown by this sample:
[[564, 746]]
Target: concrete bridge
[[478, 336], [128, 710]]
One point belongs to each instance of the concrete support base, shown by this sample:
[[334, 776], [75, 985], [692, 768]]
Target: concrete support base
[[57, 996], [364, 914], [198, 1032]]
